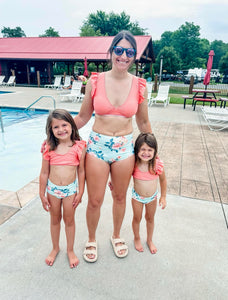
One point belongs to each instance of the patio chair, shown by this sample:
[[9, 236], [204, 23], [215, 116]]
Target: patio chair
[[75, 93], [2, 77], [11, 81], [67, 82], [56, 84], [149, 86], [215, 117], [162, 96]]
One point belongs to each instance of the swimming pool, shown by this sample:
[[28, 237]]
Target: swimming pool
[[20, 157]]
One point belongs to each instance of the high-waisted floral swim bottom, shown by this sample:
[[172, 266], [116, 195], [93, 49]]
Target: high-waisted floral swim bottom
[[110, 148]]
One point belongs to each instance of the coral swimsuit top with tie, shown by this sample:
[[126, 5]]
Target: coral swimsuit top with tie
[[102, 105]]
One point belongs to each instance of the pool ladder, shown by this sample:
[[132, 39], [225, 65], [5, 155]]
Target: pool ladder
[[54, 102]]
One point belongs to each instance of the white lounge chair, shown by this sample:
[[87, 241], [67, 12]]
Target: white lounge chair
[[162, 96], [149, 86], [2, 77], [75, 93], [215, 117], [67, 82], [56, 84], [11, 81]]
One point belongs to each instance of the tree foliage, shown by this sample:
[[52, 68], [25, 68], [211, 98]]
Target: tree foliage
[[12, 32], [223, 64], [50, 32], [101, 23], [171, 60], [189, 47]]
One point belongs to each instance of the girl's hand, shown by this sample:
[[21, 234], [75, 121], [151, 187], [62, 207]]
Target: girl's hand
[[46, 204], [162, 202], [43, 146], [77, 200]]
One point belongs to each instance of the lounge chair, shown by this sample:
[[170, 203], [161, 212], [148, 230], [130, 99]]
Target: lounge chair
[[75, 93], [162, 96], [215, 117], [2, 77], [149, 86], [56, 84], [67, 82], [11, 81]]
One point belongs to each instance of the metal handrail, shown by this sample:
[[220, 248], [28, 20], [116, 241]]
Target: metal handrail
[[54, 102], [1, 121]]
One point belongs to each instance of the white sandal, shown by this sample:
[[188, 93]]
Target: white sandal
[[90, 252], [116, 248]]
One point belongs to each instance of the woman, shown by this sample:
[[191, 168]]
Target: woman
[[115, 96]]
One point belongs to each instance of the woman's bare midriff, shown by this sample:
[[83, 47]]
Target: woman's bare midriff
[[112, 125]]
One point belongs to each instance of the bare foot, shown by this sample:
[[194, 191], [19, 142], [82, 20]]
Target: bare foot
[[51, 257], [152, 247], [73, 260], [138, 245]]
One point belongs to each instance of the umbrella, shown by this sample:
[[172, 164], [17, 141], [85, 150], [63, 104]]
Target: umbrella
[[85, 66], [206, 80]]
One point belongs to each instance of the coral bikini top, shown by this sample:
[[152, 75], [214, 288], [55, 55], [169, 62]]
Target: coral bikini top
[[102, 105], [138, 174], [71, 158]]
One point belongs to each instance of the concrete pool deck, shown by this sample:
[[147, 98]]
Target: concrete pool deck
[[191, 234]]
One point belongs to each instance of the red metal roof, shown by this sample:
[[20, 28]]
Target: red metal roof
[[63, 48]]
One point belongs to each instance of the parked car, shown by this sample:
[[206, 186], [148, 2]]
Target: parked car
[[187, 78]]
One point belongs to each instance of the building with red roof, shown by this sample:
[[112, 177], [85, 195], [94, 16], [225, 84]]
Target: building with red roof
[[31, 57]]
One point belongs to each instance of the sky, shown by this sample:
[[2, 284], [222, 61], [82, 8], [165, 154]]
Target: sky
[[67, 16]]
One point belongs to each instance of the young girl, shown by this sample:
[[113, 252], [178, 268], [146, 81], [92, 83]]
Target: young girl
[[63, 160], [148, 168]]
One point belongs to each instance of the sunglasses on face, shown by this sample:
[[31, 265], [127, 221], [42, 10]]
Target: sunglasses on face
[[118, 50]]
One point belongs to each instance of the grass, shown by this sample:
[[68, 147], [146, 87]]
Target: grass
[[176, 93]]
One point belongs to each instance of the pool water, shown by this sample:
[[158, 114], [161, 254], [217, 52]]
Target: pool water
[[20, 143], [11, 116], [5, 92]]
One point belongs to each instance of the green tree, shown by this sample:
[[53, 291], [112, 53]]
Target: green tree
[[12, 32], [220, 48], [101, 23], [166, 39], [87, 30], [171, 60], [50, 32], [186, 42], [223, 64]]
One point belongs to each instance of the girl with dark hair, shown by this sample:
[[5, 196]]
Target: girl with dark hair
[[62, 176], [115, 96], [148, 168]]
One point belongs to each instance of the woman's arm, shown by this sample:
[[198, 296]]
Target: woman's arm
[[141, 116], [163, 186], [86, 108], [81, 179], [44, 174]]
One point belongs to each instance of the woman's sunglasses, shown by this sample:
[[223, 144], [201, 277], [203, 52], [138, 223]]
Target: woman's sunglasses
[[130, 52]]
